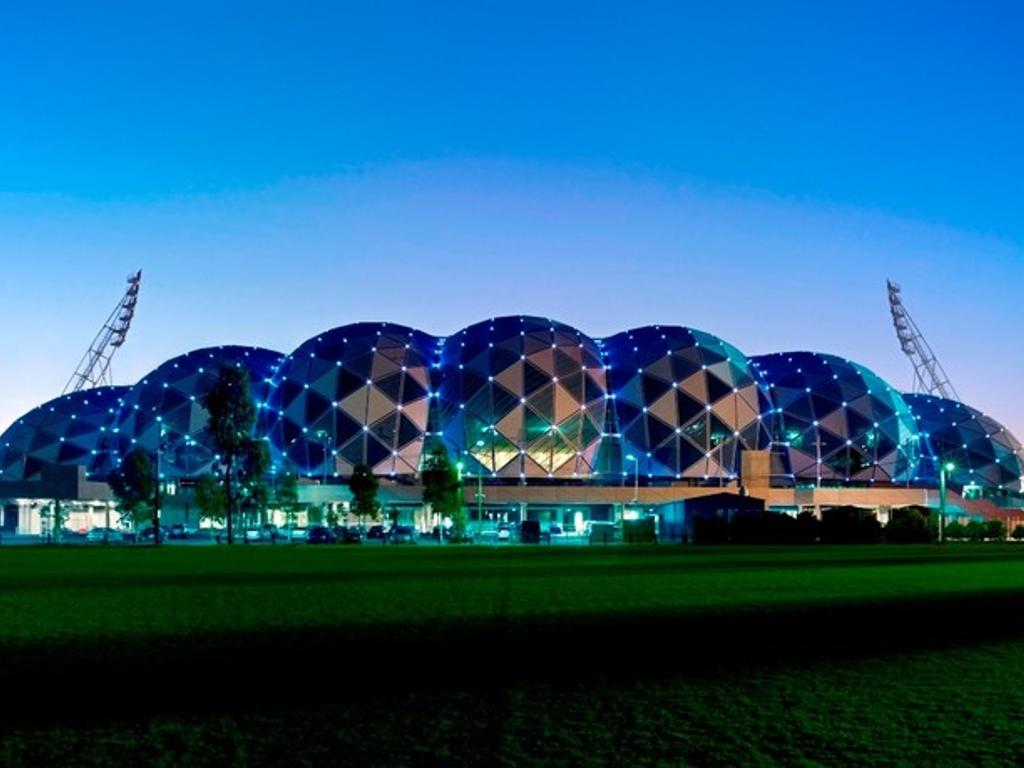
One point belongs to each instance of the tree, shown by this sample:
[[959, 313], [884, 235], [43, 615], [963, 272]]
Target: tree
[[210, 498], [442, 489], [253, 466], [364, 486], [135, 487], [316, 514], [995, 530], [58, 516], [244, 459], [1018, 533], [286, 498]]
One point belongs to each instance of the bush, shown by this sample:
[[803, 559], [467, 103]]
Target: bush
[[1018, 533], [639, 531], [954, 531], [710, 530], [807, 527], [849, 525], [995, 530], [974, 531], [908, 526], [763, 528]]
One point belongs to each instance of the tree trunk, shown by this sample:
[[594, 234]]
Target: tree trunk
[[230, 499]]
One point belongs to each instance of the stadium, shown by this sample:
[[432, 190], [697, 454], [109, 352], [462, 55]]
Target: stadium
[[545, 423]]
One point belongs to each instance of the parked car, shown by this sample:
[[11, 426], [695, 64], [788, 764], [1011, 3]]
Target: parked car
[[100, 535], [377, 532], [320, 534], [349, 535], [504, 532], [435, 533], [267, 532], [402, 534], [294, 533], [179, 531]]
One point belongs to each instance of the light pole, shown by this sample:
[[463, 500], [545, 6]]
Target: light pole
[[157, 507], [327, 439], [636, 477], [480, 492], [944, 471]]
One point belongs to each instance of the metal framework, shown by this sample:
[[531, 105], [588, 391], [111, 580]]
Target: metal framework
[[929, 376], [94, 368]]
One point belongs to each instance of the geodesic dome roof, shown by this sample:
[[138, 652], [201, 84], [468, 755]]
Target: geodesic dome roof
[[981, 449], [358, 394], [838, 421], [69, 430], [686, 402], [170, 399], [523, 397]]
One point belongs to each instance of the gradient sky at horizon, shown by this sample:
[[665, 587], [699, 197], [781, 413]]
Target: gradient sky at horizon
[[287, 169]]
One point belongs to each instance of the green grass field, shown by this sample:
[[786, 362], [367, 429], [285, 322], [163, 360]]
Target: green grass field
[[513, 656]]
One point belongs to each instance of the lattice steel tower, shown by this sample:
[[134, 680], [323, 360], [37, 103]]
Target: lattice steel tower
[[94, 368], [929, 376]]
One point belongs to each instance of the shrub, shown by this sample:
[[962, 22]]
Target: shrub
[[954, 531], [849, 525], [995, 530], [807, 526], [710, 530], [908, 526], [763, 528], [974, 531]]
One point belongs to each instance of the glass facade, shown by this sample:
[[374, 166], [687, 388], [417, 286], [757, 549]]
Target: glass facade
[[522, 397], [169, 401], [353, 395], [71, 430], [982, 451], [837, 422], [685, 403]]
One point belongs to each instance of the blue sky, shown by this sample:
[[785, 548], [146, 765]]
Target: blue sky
[[279, 169]]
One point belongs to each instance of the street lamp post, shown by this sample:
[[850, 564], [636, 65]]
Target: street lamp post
[[636, 477], [480, 491], [944, 471], [158, 506], [328, 440]]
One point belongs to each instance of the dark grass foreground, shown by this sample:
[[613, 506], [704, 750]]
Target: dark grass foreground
[[871, 655]]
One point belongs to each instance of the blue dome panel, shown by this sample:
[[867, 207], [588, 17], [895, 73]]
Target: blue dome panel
[[170, 400], [70, 430], [836, 421], [358, 394], [523, 397], [983, 451], [686, 402]]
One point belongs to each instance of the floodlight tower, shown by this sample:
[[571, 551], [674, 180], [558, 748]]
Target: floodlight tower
[[94, 368], [929, 376]]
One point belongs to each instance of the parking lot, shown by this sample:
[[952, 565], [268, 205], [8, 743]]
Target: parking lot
[[315, 535]]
